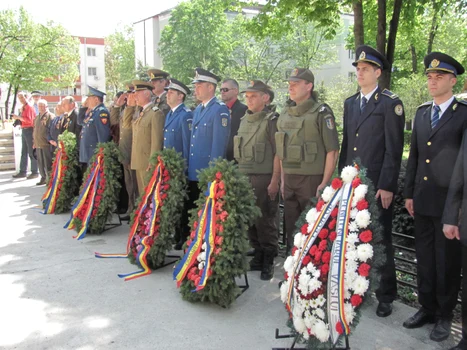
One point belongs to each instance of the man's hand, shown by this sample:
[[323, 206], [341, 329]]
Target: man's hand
[[451, 231], [14, 116], [53, 143], [121, 100], [386, 198], [131, 100], [409, 206], [319, 189], [273, 189]]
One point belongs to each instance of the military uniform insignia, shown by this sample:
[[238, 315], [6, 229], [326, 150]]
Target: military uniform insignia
[[155, 108], [322, 109], [362, 55], [196, 75], [190, 126], [294, 72], [434, 63], [152, 76], [330, 123], [141, 113], [376, 97], [224, 122], [454, 107], [399, 110]]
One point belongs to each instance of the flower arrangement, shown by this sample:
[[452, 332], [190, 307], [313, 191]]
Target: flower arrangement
[[63, 182], [333, 261], [98, 196], [215, 252]]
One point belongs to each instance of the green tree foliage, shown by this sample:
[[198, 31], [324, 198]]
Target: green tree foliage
[[119, 58], [197, 36]]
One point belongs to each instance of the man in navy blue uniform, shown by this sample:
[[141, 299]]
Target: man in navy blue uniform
[[374, 122], [177, 128], [436, 138], [96, 125]]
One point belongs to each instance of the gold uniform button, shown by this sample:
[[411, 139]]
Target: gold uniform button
[[356, 135], [428, 161], [355, 148], [425, 178], [428, 143]]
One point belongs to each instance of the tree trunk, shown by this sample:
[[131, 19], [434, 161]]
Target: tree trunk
[[7, 101], [433, 28], [15, 93], [381, 27], [413, 53], [358, 31], [385, 82]]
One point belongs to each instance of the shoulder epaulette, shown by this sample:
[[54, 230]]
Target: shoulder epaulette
[[388, 93], [324, 109], [354, 96], [428, 103], [221, 103], [187, 109], [462, 101], [155, 108], [272, 115]]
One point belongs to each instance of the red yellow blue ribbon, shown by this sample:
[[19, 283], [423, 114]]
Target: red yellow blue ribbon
[[49, 199]]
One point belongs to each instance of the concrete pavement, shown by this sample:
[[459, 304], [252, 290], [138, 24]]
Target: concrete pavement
[[54, 294]]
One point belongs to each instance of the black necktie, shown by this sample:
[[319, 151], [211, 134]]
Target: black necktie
[[364, 102], [435, 116]]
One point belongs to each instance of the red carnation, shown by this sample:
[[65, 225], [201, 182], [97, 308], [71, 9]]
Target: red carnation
[[94, 212], [322, 245], [339, 328], [164, 196], [356, 182], [324, 269], [218, 175], [217, 251], [219, 240], [199, 213], [326, 257], [286, 276], [221, 185], [294, 249], [165, 173], [189, 242], [323, 234], [193, 234], [223, 216], [150, 241], [304, 229], [98, 198], [332, 236], [364, 270], [334, 212], [319, 205], [362, 204], [313, 250], [318, 255], [356, 300], [195, 225], [197, 280], [306, 260], [336, 183], [366, 236], [332, 224]]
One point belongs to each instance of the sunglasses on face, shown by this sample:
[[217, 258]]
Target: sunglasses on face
[[226, 89]]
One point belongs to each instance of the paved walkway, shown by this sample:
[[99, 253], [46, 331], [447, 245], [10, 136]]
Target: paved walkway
[[56, 295]]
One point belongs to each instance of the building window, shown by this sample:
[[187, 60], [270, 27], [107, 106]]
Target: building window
[[351, 54], [92, 71], [352, 76], [91, 51]]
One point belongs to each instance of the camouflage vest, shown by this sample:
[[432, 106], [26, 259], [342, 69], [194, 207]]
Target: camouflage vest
[[252, 147]]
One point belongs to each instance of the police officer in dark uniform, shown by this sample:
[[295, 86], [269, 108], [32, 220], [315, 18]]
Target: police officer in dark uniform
[[436, 139], [374, 122], [254, 148], [159, 80], [96, 125]]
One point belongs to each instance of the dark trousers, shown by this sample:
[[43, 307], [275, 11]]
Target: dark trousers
[[298, 191], [131, 186], [263, 234], [44, 161], [26, 151], [463, 342], [193, 194], [438, 266], [387, 291]]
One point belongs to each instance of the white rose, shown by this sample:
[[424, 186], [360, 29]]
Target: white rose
[[311, 216], [288, 264], [201, 256], [321, 330], [360, 192], [364, 252], [360, 285], [201, 265], [297, 241], [348, 174], [327, 194], [363, 218]]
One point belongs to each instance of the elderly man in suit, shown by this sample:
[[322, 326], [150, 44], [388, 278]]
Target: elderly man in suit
[[70, 117], [41, 143], [436, 139], [374, 132]]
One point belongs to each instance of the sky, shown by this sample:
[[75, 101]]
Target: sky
[[90, 18]]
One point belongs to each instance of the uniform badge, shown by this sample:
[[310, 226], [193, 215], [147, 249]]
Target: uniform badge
[[152, 76], [141, 113], [322, 109], [196, 75], [104, 120], [434, 63], [330, 123], [454, 107], [362, 55], [190, 126], [103, 115], [399, 110], [224, 122], [294, 72], [376, 97]]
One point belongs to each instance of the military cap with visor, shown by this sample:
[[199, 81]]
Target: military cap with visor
[[140, 85], [302, 74], [36, 93], [258, 85], [95, 92], [440, 62], [368, 54], [179, 86], [203, 75], [157, 74], [129, 87]]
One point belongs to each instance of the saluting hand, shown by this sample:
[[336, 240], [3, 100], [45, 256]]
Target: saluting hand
[[409, 206], [451, 231], [386, 198]]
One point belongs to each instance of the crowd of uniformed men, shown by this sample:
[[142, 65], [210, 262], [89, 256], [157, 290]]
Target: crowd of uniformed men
[[295, 154]]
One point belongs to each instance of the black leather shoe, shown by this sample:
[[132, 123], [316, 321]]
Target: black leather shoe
[[40, 183], [33, 176], [125, 217], [19, 176], [420, 318], [442, 330], [384, 309]]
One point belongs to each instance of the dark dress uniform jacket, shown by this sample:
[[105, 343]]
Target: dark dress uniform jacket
[[376, 136], [177, 130], [433, 154], [96, 129], [237, 111], [73, 125]]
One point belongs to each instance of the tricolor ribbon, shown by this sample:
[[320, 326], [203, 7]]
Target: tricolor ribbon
[[206, 228], [88, 193], [49, 199], [323, 217], [335, 289]]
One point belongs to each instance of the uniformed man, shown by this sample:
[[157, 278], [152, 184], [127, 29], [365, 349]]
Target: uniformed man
[[229, 95], [374, 122], [160, 80], [255, 151], [40, 141], [210, 130], [147, 132], [121, 114], [307, 145], [436, 138], [96, 126]]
